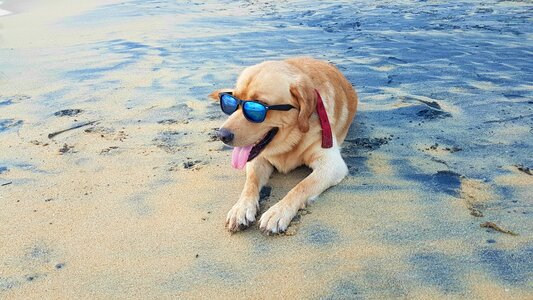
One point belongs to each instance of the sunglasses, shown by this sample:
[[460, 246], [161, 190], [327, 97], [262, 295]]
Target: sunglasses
[[254, 111]]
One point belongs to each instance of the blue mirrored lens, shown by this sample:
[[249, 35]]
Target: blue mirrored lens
[[228, 104], [255, 112]]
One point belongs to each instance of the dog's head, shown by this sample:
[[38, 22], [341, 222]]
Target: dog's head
[[271, 83]]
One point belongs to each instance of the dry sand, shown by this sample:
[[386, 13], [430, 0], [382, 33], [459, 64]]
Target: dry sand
[[132, 205]]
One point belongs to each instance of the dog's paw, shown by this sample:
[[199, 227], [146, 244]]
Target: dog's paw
[[241, 215], [276, 219]]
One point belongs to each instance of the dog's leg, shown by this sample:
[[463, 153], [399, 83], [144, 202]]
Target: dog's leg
[[242, 214], [328, 170]]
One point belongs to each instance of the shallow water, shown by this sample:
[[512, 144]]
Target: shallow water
[[133, 205]]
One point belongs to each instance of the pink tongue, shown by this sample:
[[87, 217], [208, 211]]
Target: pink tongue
[[239, 158]]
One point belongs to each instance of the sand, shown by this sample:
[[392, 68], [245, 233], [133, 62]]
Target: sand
[[132, 202]]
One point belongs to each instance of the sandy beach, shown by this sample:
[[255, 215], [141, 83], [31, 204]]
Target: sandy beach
[[113, 185]]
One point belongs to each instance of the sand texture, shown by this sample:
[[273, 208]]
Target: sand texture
[[112, 185]]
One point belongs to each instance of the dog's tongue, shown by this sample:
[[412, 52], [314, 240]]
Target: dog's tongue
[[240, 156]]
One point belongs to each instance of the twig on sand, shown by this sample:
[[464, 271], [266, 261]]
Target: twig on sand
[[497, 228], [53, 134], [7, 183], [508, 119]]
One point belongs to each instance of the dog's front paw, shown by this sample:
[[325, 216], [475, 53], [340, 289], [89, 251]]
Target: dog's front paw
[[241, 215], [276, 219]]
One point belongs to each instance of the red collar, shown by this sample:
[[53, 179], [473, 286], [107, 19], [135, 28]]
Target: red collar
[[327, 138]]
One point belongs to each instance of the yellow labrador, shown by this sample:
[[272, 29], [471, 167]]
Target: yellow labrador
[[282, 129]]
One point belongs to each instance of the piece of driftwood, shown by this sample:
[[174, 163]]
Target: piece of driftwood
[[497, 228], [53, 134]]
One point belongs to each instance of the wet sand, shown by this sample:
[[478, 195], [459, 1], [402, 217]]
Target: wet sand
[[131, 203]]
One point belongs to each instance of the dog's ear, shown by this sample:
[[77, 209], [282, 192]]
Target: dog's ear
[[305, 96], [214, 94]]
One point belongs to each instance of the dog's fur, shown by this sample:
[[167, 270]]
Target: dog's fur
[[298, 141]]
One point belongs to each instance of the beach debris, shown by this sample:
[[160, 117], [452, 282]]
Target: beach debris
[[168, 122], [31, 277], [53, 134], [440, 161], [431, 103], [190, 164], [475, 212], [213, 135], [524, 169], [37, 143], [366, 143], [494, 226], [65, 149], [508, 119], [172, 121], [432, 110], [452, 149], [68, 112], [7, 183], [431, 113], [109, 149]]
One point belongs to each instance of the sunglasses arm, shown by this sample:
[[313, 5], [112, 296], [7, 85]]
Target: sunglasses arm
[[284, 107]]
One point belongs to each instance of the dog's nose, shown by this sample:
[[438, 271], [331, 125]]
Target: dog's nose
[[225, 135]]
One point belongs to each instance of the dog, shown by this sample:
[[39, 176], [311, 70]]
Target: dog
[[292, 133]]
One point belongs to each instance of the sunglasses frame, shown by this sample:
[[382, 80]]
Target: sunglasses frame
[[282, 107]]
